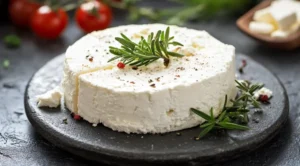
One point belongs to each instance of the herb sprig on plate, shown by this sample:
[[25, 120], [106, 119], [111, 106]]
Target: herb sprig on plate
[[145, 51], [235, 116]]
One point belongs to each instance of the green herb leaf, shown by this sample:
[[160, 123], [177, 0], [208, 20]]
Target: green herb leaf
[[12, 41], [65, 121], [232, 126], [6, 63], [206, 130], [201, 114], [206, 124]]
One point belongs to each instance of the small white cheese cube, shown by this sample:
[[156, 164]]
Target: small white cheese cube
[[261, 27], [284, 14], [50, 99], [283, 34], [280, 34], [264, 15], [263, 91]]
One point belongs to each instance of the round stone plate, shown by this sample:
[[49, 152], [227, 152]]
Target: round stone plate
[[104, 145]]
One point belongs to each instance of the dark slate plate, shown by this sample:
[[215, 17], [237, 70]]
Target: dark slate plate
[[104, 145]]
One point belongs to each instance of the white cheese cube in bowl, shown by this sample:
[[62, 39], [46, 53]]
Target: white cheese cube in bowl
[[264, 15], [284, 15], [289, 5], [283, 34], [261, 27]]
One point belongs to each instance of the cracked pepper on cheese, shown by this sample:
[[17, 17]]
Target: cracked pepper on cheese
[[153, 98]]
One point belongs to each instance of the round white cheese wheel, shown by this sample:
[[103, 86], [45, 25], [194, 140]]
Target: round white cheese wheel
[[153, 98]]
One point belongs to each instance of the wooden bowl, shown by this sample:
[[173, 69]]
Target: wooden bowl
[[289, 43]]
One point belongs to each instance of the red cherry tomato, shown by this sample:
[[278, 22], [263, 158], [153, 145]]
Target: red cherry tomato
[[93, 15], [21, 11], [49, 24]]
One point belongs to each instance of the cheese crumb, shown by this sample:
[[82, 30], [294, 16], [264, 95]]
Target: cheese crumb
[[50, 99], [263, 91]]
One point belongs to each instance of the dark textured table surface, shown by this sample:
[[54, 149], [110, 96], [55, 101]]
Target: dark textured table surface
[[21, 145]]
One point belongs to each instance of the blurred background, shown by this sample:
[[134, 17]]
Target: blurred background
[[24, 14]]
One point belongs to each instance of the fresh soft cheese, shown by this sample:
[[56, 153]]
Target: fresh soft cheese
[[264, 15], [50, 99], [283, 34], [279, 20], [261, 27], [284, 18], [152, 99], [288, 5]]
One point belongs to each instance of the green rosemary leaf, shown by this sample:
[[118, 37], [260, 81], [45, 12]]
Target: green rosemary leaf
[[174, 54], [201, 114], [206, 124], [162, 36], [176, 43], [114, 58], [164, 49], [225, 102], [125, 43], [150, 38], [6, 63], [146, 44], [153, 47], [226, 119], [221, 117], [126, 38], [65, 121], [206, 130], [212, 114], [129, 61], [171, 38], [241, 86], [167, 36], [157, 36], [255, 104], [255, 87], [157, 46], [233, 126], [126, 49], [233, 114], [242, 110], [245, 120]]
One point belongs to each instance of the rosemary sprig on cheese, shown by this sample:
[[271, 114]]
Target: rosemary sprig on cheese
[[232, 117], [145, 51]]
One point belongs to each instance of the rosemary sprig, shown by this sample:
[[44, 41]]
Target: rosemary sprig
[[247, 93], [145, 51], [232, 117]]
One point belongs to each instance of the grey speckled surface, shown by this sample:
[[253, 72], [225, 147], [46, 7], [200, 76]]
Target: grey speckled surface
[[21, 145]]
